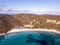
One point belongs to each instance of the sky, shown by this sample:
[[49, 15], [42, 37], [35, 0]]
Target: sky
[[30, 6]]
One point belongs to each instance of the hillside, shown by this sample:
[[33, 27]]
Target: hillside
[[33, 21], [7, 22], [39, 21]]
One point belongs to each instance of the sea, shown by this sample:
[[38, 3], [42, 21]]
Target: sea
[[30, 38]]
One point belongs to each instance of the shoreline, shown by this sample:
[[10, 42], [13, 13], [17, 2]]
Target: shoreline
[[1, 34], [19, 30]]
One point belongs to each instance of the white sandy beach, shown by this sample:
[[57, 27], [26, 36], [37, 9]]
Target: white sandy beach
[[2, 34], [19, 30]]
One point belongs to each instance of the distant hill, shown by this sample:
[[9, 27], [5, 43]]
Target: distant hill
[[48, 21]]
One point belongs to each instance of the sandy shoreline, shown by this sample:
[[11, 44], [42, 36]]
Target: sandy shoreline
[[19, 30], [2, 34]]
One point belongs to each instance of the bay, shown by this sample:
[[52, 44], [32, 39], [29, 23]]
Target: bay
[[31, 38]]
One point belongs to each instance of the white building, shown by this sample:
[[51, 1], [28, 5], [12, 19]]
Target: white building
[[52, 21]]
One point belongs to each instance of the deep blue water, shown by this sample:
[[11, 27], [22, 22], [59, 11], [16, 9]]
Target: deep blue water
[[31, 38]]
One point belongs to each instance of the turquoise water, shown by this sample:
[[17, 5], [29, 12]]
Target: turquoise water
[[31, 38]]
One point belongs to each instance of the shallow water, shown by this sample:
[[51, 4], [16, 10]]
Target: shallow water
[[31, 38]]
